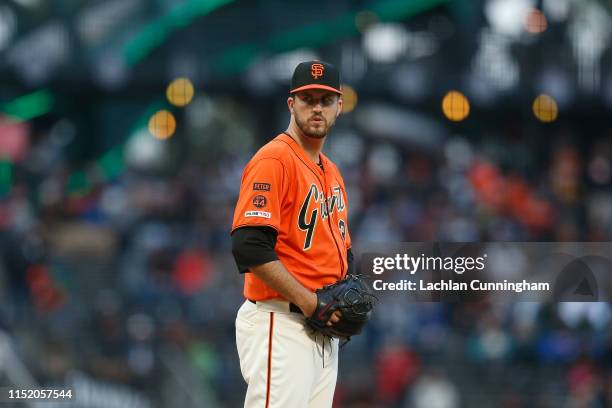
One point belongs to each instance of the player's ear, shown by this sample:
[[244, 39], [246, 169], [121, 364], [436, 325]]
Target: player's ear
[[290, 102], [339, 106]]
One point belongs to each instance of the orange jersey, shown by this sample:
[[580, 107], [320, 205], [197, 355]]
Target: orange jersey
[[283, 189]]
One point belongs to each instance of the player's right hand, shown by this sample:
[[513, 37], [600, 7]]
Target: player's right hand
[[310, 305]]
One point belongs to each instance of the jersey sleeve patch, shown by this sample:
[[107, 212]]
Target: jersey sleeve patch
[[260, 214], [260, 201], [261, 186], [261, 194]]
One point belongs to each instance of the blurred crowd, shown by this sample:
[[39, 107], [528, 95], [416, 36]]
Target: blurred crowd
[[127, 280]]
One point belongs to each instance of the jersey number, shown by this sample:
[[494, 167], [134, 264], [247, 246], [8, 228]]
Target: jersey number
[[342, 228]]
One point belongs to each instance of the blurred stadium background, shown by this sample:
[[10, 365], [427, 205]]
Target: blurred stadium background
[[124, 128]]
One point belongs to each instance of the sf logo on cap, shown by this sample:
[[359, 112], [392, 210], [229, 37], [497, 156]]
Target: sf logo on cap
[[316, 70]]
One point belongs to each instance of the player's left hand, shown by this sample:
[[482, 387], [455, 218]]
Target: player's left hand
[[335, 318], [343, 308]]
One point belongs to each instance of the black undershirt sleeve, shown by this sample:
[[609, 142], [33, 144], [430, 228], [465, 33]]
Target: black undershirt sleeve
[[253, 246]]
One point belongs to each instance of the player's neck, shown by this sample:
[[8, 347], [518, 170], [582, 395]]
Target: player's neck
[[311, 146]]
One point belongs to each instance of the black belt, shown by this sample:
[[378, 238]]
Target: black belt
[[292, 307]]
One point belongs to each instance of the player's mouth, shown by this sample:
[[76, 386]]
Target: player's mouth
[[317, 120]]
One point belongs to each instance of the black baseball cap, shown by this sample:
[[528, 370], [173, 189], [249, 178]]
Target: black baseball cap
[[315, 75]]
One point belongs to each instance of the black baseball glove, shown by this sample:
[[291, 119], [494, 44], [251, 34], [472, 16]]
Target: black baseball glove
[[349, 295]]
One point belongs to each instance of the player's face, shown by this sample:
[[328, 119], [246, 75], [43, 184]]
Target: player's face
[[315, 111]]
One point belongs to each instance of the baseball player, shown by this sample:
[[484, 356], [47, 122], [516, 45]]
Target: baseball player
[[290, 237]]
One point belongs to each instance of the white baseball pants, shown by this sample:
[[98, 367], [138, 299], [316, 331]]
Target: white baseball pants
[[284, 364]]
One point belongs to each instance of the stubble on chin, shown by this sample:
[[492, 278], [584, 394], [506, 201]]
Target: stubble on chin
[[309, 130]]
